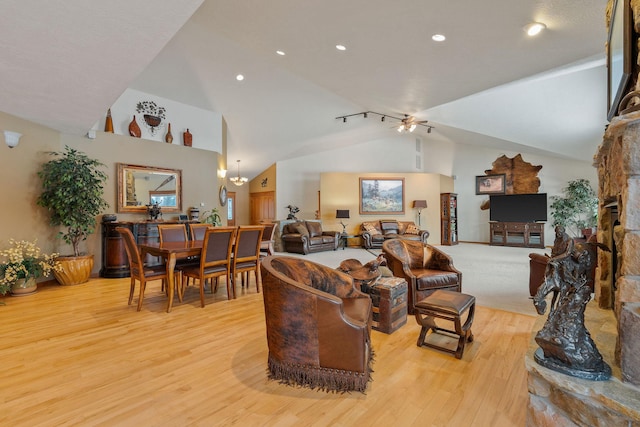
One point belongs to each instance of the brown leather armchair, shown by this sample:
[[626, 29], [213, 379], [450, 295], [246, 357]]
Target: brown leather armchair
[[318, 325], [537, 267], [425, 268]]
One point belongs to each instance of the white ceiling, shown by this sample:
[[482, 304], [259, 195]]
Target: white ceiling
[[64, 62]]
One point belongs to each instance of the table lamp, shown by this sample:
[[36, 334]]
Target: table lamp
[[343, 213]]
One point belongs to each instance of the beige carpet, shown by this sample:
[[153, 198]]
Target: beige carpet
[[497, 276]]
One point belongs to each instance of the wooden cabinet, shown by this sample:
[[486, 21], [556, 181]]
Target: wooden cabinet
[[262, 206], [115, 263], [449, 219], [520, 234]]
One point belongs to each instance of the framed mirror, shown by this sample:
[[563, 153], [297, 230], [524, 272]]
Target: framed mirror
[[139, 186]]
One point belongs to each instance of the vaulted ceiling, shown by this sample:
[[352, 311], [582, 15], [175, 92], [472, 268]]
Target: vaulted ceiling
[[64, 62]]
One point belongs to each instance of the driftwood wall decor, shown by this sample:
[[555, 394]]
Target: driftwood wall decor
[[521, 177]]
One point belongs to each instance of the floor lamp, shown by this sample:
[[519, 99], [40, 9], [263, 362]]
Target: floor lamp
[[419, 204]]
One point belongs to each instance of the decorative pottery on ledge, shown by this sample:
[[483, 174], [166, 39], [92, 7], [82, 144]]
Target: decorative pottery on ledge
[[187, 138], [134, 129]]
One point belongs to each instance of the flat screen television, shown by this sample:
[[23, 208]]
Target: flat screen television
[[518, 207]]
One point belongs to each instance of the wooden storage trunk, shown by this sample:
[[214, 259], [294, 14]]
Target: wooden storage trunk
[[389, 297]]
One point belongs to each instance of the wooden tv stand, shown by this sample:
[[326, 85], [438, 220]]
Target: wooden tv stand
[[519, 234]]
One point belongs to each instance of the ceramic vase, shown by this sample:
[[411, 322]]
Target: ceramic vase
[[187, 138], [168, 137], [24, 287], [108, 124], [134, 129]]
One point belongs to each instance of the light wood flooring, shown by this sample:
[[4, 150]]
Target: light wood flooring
[[81, 356]]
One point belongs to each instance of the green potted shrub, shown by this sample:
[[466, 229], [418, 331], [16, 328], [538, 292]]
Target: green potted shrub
[[72, 190], [577, 209], [212, 217]]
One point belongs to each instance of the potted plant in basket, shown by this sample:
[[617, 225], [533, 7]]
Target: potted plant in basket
[[21, 264], [577, 210], [72, 190]]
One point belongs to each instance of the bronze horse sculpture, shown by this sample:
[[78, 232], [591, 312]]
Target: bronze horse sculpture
[[565, 344]]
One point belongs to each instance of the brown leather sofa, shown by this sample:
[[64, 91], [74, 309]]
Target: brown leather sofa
[[304, 237], [374, 233], [318, 325], [425, 268]]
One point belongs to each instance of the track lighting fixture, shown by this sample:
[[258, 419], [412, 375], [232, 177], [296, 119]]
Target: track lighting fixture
[[408, 123]]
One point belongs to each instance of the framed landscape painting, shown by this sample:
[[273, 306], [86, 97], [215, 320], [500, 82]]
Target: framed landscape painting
[[490, 184], [381, 196]]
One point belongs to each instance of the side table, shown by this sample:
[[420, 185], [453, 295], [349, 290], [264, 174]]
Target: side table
[[389, 298], [344, 238]]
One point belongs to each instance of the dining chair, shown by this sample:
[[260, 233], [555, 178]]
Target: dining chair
[[246, 254], [215, 260], [196, 231], [172, 232], [266, 243], [139, 271]]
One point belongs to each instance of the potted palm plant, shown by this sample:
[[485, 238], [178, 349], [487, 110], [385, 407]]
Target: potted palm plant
[[577, 209], [72, 190]]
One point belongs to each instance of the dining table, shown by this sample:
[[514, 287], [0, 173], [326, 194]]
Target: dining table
[[171, 251]]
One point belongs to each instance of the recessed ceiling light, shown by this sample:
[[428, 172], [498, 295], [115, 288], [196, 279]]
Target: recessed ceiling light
[[281, 53], [239, 77], [534, 28], [438, 38], [341, 47]]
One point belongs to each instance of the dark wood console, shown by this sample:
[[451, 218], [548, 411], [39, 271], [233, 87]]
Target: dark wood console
[[520, 234], [114, 256]]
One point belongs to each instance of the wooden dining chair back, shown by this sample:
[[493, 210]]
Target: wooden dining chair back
[[246, 254], [215, 260], [172, 232], [137, 268], [266, 243], [196, 231]]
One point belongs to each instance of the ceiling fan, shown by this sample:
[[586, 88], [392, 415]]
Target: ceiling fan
[[407, 123]]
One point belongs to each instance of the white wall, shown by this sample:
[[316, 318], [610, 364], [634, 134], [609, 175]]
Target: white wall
[[204, 125]]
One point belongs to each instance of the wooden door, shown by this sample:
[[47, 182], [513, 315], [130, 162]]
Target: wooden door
[[231, 209], [262, 207]]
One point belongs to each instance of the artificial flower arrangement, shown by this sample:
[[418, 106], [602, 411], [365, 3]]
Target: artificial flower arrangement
[[24, 260]]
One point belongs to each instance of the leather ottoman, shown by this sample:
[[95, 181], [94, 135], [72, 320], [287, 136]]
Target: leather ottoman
[[389, 298]]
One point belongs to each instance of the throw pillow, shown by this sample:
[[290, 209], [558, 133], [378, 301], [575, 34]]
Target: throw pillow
[[315, 228], [369, 228], [301, 229], [412, 229]]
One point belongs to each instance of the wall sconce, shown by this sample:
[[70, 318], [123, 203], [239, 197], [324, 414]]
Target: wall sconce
[[419, 204], [343, 213], [11, 138], [222, 173]]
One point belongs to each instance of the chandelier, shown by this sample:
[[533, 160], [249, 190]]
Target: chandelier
[[238, 180]]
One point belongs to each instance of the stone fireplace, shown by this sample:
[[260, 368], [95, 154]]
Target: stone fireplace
[[613, 318]]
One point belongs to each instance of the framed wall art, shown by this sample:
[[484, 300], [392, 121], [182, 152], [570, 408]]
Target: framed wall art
[[381, 196], [491, 184]]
